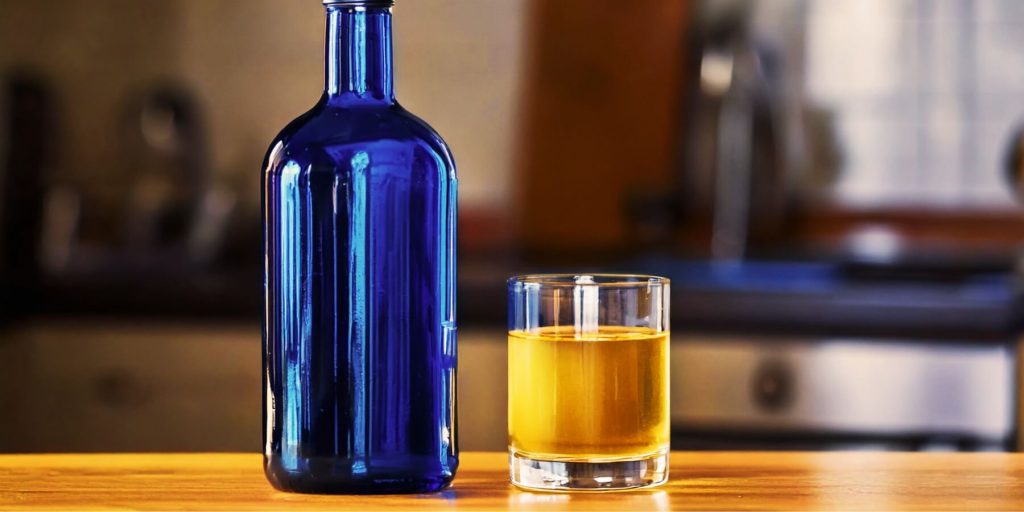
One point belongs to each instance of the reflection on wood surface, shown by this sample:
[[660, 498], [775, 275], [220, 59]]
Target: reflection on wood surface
[[699, 481]]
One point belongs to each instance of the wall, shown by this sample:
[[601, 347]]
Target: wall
[[256, 64]]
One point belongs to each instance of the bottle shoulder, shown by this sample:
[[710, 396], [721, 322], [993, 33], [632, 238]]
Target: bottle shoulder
[[331, 130]]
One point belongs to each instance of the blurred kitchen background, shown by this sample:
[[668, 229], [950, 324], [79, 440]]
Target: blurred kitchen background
[[832, 185]]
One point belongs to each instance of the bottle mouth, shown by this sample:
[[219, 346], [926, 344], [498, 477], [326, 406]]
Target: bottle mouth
[[360, 3]]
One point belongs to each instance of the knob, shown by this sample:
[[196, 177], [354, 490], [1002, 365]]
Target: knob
[[119, 388], [773, 386]]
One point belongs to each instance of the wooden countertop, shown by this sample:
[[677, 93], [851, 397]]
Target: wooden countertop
[[704, 481]]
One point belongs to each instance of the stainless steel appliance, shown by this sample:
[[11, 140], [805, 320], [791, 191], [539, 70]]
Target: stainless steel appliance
[[809, 392], [808, 356]]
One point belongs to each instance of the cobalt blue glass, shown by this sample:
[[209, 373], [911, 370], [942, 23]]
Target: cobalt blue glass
[[359, 284]]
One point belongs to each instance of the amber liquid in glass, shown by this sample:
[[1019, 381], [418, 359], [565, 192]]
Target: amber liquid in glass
[[600, 396]]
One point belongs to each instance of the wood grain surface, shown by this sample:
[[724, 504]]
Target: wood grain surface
[[699, 481]]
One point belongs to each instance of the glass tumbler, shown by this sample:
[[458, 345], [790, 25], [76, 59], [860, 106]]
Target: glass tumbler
[[588, 390]]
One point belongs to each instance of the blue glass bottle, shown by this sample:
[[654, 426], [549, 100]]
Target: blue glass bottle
[[359, 285]]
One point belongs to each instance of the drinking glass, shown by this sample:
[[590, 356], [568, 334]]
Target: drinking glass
[[588, 390]]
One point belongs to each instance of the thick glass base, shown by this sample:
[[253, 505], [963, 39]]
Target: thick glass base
[[569, 475]]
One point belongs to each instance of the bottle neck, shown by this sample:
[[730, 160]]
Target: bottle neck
[[359, 61]]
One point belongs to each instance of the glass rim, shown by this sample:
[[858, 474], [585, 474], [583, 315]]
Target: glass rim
[[601, 280]]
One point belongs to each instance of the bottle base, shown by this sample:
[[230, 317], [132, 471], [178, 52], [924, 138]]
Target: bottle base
[[568, 475], [323, 481], [307, 485]]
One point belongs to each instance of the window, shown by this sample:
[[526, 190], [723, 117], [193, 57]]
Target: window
[[925, 96]]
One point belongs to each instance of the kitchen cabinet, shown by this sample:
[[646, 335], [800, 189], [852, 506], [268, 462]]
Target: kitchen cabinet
[[93, 385]]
